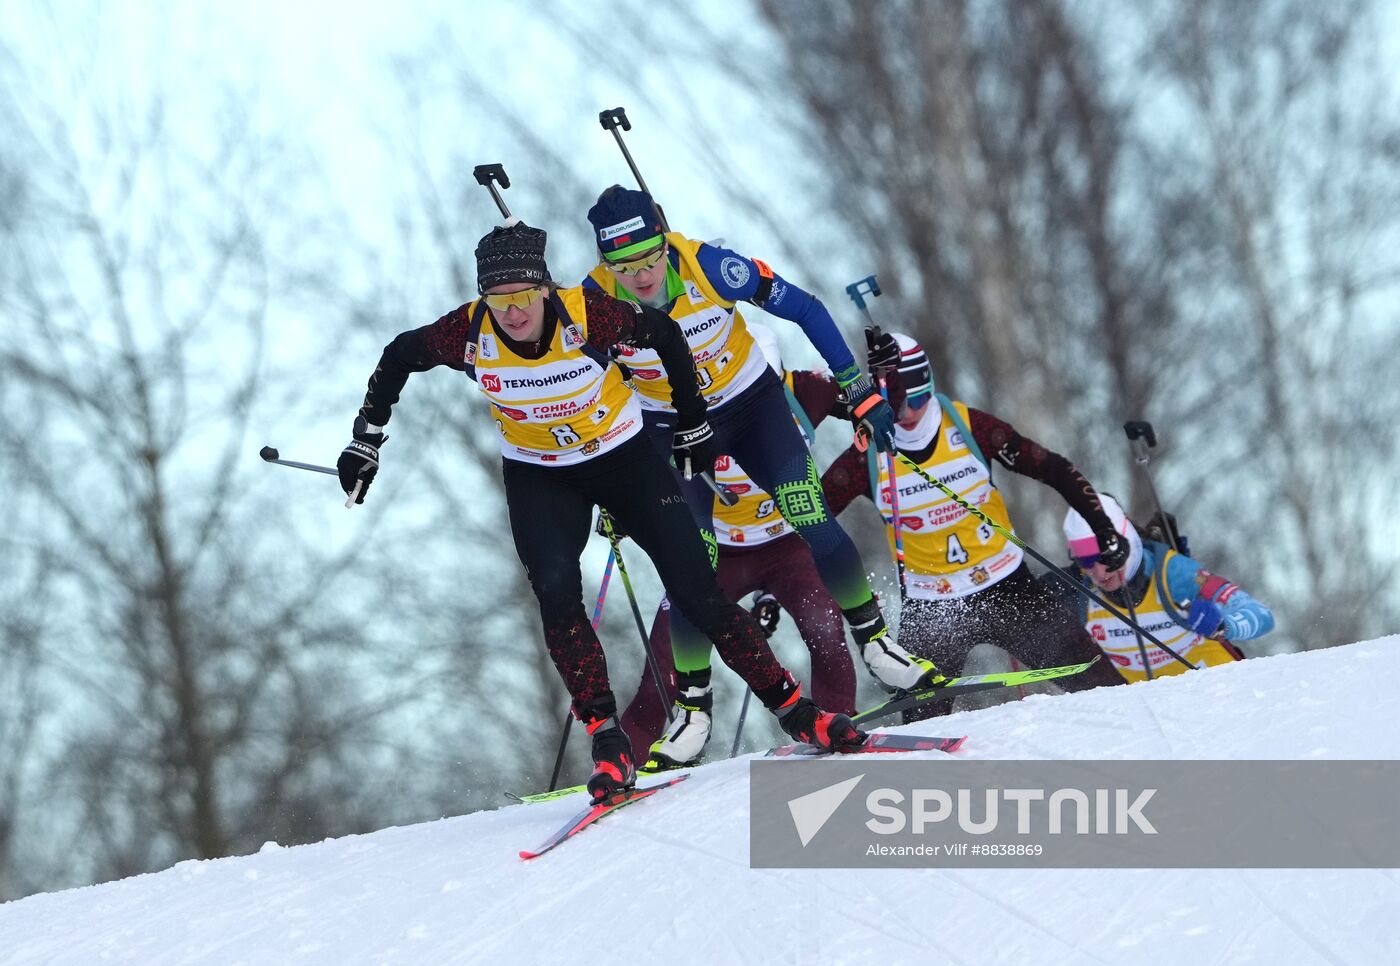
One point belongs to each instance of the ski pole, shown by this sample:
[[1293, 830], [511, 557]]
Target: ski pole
[[739, 728], [857, 290], [1142, 648], [603, 590], [726, 496], [748, 692], [1142, 438], [615, 541], [488, 176], [948, 491], [616, 121], [568, 714], [271, 455]]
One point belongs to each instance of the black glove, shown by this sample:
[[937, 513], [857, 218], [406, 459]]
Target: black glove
[[693, 450], [766, 611], [881, 351], [1113, 550], [873, 416], [360, 460]]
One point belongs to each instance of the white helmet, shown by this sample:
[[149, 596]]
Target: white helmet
[[915, 371], [1082, 542]]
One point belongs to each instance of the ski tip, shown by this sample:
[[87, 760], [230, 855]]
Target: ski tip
[[954, 745], [527, 855]]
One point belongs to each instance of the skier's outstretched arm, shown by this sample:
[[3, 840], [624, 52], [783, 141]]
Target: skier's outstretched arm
[[1020, 454], [613, 322], [1217, 604], [742, 279], [443, 343]]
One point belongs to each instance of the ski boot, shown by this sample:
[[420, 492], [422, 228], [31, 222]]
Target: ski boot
[[802, 720], [613, 769], [894, 667], [689, 732]]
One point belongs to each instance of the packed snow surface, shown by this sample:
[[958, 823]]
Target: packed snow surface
[[668, 880]]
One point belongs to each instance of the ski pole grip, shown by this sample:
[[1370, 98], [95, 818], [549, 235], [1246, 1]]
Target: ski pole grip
[[270, 455], [488, 176], [1141, 438], [1140, 429], [616, 121], [485, 174], [615, 118], [856, 290]]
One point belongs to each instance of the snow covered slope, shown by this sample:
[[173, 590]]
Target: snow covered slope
[[668, 879]]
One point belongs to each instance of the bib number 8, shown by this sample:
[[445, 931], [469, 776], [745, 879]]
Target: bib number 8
[[564, 435], [956, 553]]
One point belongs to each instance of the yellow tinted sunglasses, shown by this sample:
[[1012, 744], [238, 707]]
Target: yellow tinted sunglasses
[[522, 300], [636, 266]]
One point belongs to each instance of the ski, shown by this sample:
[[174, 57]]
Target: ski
[[591, 814], [545, 796], [877, 742], [967, 685], [538, 797]]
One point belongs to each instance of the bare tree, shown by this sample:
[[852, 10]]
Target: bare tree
[[1289, 116], [206, 658], [1090, 213], [23, 605], [994, 157]]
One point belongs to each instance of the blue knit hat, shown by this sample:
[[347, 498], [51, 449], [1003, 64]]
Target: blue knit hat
[[624, 222]]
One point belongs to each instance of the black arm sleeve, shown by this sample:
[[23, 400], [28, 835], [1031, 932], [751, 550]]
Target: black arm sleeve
[[656, 330], [1023, 455], [441, 344]]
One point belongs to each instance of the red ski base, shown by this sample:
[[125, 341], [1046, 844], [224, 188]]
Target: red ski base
[[591, 814], [878, 742]]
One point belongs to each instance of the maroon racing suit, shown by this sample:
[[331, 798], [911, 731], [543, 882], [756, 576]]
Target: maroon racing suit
[[1018, 613], [630, 481]]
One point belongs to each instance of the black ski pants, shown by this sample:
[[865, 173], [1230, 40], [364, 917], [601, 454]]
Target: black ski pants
[[551, 516], [1019, 615]]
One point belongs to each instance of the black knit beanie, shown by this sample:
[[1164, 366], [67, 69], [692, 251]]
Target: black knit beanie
[[511, 253]]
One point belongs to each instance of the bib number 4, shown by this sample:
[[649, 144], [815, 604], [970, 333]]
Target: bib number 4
[[956, 553]]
